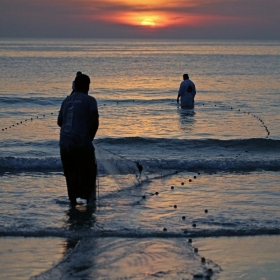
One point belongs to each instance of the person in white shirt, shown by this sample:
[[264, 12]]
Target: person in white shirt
[[186, 92]]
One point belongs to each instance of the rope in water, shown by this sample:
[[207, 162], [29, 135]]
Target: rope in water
[[42, 116]]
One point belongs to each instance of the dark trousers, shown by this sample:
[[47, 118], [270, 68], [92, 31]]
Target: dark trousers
[[80, 171]]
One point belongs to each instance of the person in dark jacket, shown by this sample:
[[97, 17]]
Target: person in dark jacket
[[79, 121]]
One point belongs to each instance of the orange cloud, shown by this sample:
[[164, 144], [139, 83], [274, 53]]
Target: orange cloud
[[124, 18], [136, 18], [159, 13], [161, 19]]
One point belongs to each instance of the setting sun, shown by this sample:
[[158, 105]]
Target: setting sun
[[155, 20], [158, 20], [148, 22]]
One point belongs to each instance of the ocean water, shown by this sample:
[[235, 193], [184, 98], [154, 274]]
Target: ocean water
[[211, 171]]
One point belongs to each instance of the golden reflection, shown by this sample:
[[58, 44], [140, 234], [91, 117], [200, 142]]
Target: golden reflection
[[187, 119]]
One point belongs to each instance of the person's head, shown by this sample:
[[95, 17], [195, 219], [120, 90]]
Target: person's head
[[82, 82], [79, 73], [185, 77]]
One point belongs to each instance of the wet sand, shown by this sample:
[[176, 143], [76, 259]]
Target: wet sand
[[21, 258]]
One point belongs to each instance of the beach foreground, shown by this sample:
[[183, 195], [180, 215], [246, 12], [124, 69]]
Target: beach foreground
[[255, 257]]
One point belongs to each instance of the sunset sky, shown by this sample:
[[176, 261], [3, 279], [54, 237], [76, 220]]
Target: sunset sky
[[182, 19]]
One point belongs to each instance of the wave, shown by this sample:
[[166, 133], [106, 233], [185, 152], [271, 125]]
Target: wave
[[16, 163], [225, 164], [18, 143], [43, 101], [63, 233], [153, 153], [215, 165], [252, 143], [261, 144]]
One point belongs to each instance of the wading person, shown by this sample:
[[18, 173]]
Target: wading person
[[187, 93], [79, 121]]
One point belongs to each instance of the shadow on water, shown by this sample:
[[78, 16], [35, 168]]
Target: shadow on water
[[186, 118], [81, 217]]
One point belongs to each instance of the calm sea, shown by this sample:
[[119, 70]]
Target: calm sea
[[223, 156]]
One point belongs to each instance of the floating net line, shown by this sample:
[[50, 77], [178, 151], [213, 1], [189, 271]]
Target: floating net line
[[52, 114]]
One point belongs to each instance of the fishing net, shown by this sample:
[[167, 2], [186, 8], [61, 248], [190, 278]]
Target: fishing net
[[116, 172], [122, 177]]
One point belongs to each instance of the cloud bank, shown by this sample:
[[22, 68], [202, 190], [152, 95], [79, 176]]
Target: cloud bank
[[181, 19]]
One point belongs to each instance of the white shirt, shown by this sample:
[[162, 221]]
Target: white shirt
[[187, 92]]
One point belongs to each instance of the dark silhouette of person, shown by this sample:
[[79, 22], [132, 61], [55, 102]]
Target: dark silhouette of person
[[79, 121], [73, 83]]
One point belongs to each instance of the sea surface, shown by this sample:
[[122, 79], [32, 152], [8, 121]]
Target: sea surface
[[211, 171]]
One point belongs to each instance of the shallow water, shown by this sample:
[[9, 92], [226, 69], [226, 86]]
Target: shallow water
[[237, 204], [246, 258]]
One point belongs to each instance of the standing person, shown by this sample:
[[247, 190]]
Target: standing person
[[79, 120], [73, 83], [187, 92]]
